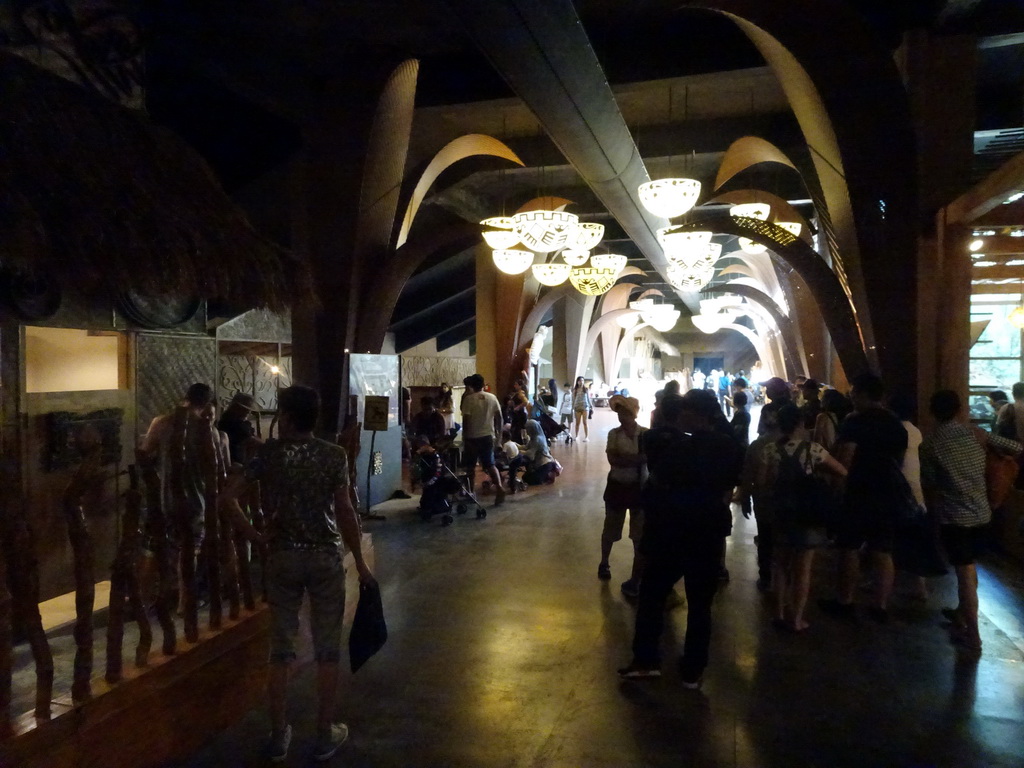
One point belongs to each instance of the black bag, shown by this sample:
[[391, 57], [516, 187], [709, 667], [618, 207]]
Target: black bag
[[369, 631], [801, 499]]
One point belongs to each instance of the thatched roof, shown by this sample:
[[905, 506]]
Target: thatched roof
[[98, 198]]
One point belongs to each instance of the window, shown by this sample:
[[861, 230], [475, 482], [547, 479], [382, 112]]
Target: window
[[73, 360]]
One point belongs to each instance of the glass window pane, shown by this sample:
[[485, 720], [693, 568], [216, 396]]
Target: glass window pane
[[1000, 338], [994, 374]]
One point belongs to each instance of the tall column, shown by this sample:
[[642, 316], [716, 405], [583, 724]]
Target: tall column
[[486, 316], [579, 309]]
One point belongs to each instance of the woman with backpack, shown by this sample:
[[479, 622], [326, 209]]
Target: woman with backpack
[[800, 499]]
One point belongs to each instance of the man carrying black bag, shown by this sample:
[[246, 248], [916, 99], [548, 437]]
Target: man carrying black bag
[[304, 490], [693, 470]]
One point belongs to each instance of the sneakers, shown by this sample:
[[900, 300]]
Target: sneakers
[[327, 744], [277, 750], [604, 573], [630, 588], [639, 672]]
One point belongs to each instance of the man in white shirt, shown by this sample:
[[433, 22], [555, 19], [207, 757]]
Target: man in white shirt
[[481, 426]]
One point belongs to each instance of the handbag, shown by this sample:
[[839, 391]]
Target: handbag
[[369, 630]]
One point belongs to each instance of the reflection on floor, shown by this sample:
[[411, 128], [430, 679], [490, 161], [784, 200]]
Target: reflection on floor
[[504, 647]]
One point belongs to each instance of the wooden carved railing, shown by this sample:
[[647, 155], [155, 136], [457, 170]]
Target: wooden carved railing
[[157, 530], [124, 585]]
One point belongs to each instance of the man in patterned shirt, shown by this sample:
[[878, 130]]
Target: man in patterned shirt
[[953, 477], [304, 489]]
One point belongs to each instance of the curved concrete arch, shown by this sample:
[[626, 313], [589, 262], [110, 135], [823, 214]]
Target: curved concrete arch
[[761, 346], [853, 109], [782, 322], [748, 151], [470, 145], [832, 300]]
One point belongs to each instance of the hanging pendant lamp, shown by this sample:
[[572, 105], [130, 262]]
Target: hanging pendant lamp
[[613, 261], [551, 274], [498, 233], [512, 261], [544, 231], [669, 198], [592, 282]]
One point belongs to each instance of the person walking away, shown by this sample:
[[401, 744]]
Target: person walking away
[[724, 383], [481, 426], [304, 488], [698, 379], [740, 424], [953, 476], [565, 407], [623, 489], [671, 388], [811, 406], [834, 408], [754, 498], [581, 406], [693, 470], [871, 445], [799, 501]]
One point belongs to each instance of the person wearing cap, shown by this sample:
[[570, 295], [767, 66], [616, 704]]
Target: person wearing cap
[[623, 489], [235, 423], [778, 393]]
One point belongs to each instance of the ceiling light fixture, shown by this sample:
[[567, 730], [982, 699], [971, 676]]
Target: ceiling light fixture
[[551, 274], [613, 261], [544, 231], [498, 233], [512, 261], [592, 282]]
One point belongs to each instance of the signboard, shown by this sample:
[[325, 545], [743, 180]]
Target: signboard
[[376, 412]]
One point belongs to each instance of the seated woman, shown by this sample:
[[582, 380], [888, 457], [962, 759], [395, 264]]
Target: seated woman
[[541, 467]]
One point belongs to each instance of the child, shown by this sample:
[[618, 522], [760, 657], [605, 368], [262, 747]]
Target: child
[[514, 459]]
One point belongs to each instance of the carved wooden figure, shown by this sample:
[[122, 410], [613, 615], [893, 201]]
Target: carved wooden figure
[[183, 522], [85, 479], [124, 586], [157, 529]]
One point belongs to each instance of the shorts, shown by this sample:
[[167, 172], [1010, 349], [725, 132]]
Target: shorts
[[615, 519], [856, 530], [478, 449], [292, 573], [963, 544]]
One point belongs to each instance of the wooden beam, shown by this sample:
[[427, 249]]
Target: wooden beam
[[1000, 245], [989, 193], [977, 288], [1009, 215], [997, 273]]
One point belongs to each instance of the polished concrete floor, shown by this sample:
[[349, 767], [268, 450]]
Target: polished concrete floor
[[503, 649]]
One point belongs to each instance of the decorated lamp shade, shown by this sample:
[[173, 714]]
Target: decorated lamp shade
[[512, 261], [669, 198], [585, 235], [575, 257], [677, 241], [591, 281], [613, 261], [663, 321], [689, 277], [498, 233], [628, 319], [707, 323], [793, 227], [551, 274], [758, 211], [544, 231]]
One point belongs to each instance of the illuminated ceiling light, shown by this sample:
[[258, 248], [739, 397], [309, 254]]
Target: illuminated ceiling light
[[498, 232], [793, 227], [628, 320], [976, 245], [689, 277], [664, 321], [584, 236], [551, 274], [669, 198], [708, 323], [675, 241], [544, 231], [512, 261], [613, 261], [591, 281], [759, 211], [275, 370], [1016, 318], [574, 257], [1013, 198], [749, 246], [994, 263]]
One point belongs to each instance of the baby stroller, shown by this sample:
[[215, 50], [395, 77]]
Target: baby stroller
[[442, 488], [552, 429]]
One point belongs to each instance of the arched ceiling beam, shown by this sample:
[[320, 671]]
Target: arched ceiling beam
[[746, 152], [541, 49]]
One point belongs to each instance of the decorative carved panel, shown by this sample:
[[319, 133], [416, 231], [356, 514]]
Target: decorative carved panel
[[432, 371], [166, 366], [257, 325]]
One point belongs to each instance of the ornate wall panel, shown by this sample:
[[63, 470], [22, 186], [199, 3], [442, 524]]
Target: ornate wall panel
[[431, 371], [253, 375], [166, 366], [257, 325]]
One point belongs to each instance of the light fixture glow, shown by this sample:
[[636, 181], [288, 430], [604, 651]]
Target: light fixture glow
[[669, 198], [592, 282], [551, 274], [976, 245], [663, 321], [613, 261], [628, 320], [759, 211], [675, 241], [512, 261], [793, 227], [575, 257], [498, 232], [275, 370], [707, 323], [584, 236], [689, 278], [544, 231], [1016, 318]]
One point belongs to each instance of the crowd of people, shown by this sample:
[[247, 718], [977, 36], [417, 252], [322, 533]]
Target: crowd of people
[[852, 473]]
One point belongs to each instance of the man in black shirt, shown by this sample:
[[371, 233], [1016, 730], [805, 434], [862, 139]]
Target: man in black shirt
[[693, 470], [871, 444], [236, 425]]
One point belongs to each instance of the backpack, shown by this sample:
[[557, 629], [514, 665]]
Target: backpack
[[802, 500]]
